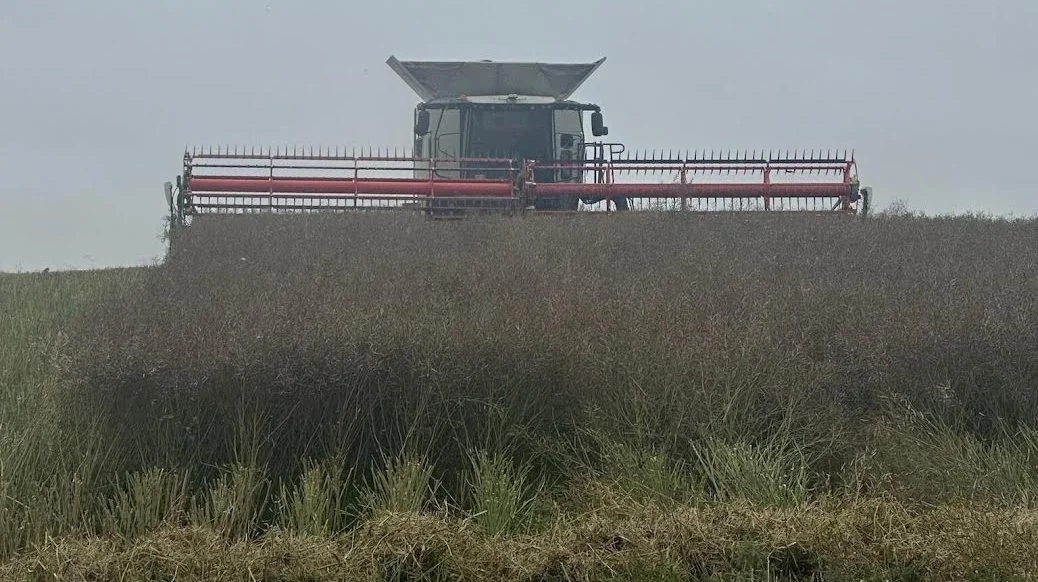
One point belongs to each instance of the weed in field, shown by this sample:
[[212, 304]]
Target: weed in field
[[317, 503], [501, 493], [404, 485]]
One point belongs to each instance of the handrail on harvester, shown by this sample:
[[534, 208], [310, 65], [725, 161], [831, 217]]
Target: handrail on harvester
[[240, 180]]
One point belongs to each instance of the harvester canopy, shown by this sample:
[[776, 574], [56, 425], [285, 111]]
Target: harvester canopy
[[436, 80]]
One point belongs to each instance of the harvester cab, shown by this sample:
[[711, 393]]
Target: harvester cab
[[506, 137], [497, 112]]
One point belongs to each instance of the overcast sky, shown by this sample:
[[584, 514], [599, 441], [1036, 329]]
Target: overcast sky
[[98, 99]]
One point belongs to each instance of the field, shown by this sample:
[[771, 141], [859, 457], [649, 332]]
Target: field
[[552, 398]]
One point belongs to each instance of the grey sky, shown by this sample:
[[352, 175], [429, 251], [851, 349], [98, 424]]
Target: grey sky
[[99, 98]]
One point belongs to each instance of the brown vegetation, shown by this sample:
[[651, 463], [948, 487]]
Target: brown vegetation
[[331, 333], [312, 373]]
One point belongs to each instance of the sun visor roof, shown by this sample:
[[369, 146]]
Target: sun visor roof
[[433, 80]]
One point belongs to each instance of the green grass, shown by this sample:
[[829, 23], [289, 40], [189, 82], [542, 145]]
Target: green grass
[[43, 471], [643, 398]]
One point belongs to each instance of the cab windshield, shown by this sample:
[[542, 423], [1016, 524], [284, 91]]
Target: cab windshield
[[510, 133]]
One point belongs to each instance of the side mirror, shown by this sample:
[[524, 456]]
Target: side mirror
[[168, 188], [421, 122], [597, 125]]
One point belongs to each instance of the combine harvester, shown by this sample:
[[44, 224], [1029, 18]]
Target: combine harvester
[[506, 138]]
